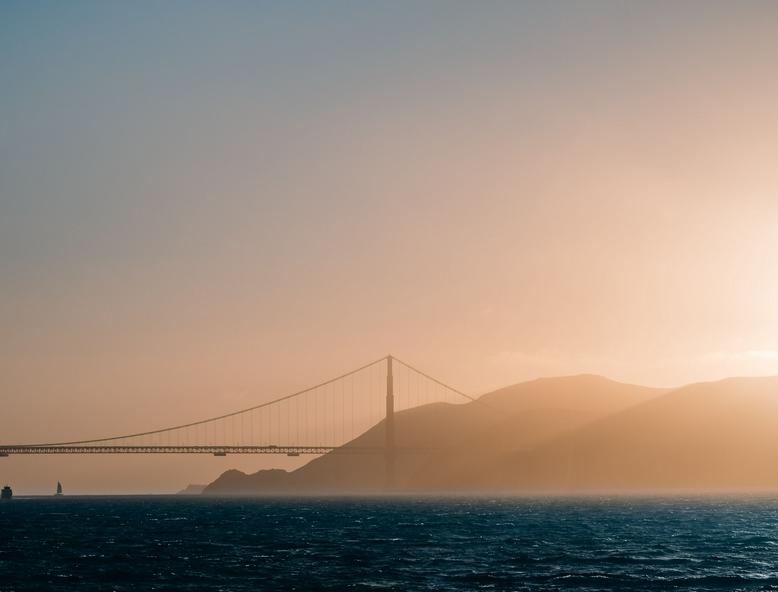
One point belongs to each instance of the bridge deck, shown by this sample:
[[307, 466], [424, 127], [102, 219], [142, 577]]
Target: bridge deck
[[215, 449]]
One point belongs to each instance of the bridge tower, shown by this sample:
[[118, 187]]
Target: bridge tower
[[389, 451]]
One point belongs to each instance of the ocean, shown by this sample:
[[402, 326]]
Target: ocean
[[370, 544]]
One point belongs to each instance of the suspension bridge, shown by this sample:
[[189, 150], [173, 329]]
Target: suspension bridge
[[320, 419]]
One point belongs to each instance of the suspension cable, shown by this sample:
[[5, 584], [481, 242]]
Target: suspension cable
[[212, 419], [435, 380]]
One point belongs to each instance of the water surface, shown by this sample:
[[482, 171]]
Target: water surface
[[173, 543]]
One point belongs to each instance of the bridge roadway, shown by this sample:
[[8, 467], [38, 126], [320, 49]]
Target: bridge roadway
[[216, 450]]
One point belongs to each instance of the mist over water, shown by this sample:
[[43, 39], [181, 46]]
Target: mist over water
[[403, 543]]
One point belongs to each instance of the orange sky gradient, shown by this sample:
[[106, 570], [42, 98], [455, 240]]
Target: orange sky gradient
[[201, 213]]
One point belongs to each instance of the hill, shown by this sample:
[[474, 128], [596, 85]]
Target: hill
[[708, 436], [461, 440]]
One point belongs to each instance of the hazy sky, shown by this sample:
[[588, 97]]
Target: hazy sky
[[204, 205]]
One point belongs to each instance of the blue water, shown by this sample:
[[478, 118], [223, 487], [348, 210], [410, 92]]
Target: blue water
[[168, 543]]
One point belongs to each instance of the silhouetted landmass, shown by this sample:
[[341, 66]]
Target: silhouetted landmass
[[708, 436], [467, 445], [192, 489], [571, 434]]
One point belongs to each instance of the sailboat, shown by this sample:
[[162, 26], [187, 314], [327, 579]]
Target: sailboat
[[59, 488]]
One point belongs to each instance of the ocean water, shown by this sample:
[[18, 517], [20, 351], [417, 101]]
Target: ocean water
[[173, 543]]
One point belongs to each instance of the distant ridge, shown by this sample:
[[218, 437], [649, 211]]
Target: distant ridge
[[192, 489], [462, 439], [568, 434], [709, 436]]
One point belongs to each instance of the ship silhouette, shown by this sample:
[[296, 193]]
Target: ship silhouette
[[7, 493], [59, 489]]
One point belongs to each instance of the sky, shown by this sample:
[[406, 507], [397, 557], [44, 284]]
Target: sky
[[205, 205]]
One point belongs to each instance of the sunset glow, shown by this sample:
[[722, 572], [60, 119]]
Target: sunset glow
[[200, 211]]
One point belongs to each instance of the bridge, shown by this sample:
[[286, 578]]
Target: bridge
[[317, 420]]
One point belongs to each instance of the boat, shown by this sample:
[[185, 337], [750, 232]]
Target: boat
[[59, 488], [7, 493]]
